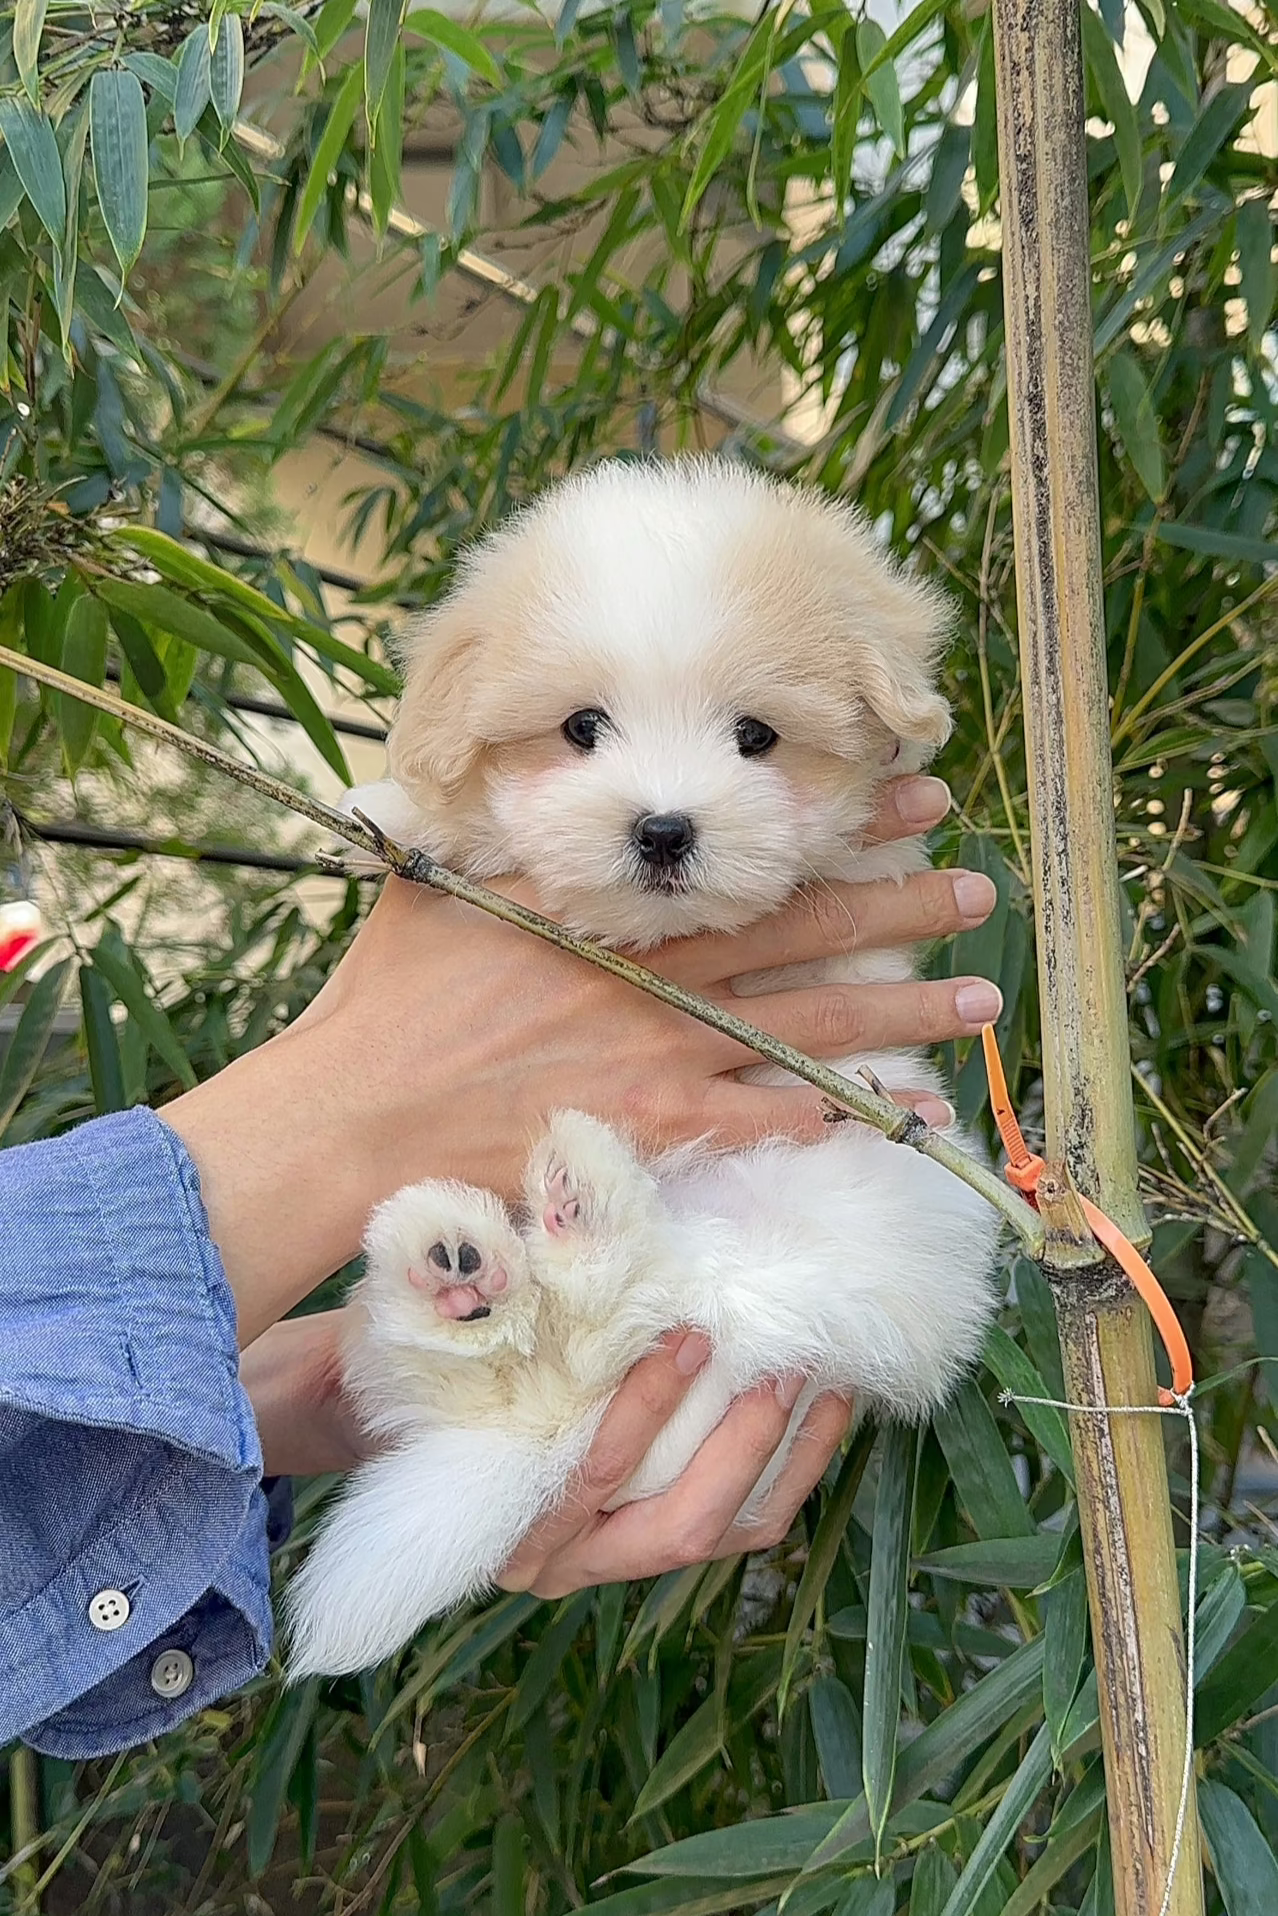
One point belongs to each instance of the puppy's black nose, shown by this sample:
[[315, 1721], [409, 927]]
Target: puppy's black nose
[[664, 839]]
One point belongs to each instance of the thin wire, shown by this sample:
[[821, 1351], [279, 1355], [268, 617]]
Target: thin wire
[[1179, 1407]]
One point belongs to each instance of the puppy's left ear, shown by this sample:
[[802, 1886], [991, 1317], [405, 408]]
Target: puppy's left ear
[[900, 627]]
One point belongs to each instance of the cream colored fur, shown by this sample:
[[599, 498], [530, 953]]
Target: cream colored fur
[[676, 599]]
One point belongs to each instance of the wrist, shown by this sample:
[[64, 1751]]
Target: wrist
[[293, 1377]]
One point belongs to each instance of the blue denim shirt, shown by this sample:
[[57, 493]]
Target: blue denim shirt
[[130, 1469]]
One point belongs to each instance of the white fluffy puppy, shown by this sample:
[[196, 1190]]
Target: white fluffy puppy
[[666, 693]]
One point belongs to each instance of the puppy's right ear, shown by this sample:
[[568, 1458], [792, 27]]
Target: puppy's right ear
[[434, 741]]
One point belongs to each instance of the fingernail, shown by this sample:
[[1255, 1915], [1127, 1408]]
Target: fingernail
[[788, 1389], [978, 1003], [936, 1112], [975, 896], [692, 1353], [923, 801]]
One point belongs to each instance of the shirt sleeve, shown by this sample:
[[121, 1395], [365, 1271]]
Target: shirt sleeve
[[134, 1525]]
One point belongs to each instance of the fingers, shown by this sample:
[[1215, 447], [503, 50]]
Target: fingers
[[836, 1021], [906, 807], [687, 1523], [824, 1428], [642, 1407], [838, 918]]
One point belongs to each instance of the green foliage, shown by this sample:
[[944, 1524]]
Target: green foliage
[[740, 1735]]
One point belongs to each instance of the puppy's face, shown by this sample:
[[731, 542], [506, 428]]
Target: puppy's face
[[667, 694]]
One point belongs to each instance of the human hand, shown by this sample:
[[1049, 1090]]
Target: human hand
[[293, 1376], [579, 1544], [444, 1037]]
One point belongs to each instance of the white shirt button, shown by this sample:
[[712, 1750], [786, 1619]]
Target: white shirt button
[[109, 1609], [172, 1673]]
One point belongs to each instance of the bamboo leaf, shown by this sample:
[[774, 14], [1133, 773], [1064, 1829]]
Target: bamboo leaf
[[28, 25], [825, 1547], [384, 168], [183, 567], [836, 1731], [117, 116], [1219, 1612], [119, 968], [1116, 103], [1018, 1563], [12, 194], [381, 38], [144, 663], [84, 653], [546, 1661], [764, 1846], [1137, 422], [1242, 1860], [1209, 540], [1017, 1374], [278, 1748], [34, 152], [1243, 1675], [812, 1839], [550, 134], [30, 1040], [106, 1067], [1018, 1800], [981, 1467], [156, 605], [845, 116], [878, 76], [226, 71], [1065, 1645], [985, 123], [701, 1737], [933, 1884], [341, 118], [885, 1623], [194, 82], [436, 27], [1255, 230], [866, 1896], [1208, 134], [720, 128], [510, 1867]]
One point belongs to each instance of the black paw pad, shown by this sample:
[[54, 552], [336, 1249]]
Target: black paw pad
[[468, 1259], [438, 1256]]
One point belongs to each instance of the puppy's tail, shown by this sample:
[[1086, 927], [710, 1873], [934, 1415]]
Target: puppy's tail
[[414, 1533]]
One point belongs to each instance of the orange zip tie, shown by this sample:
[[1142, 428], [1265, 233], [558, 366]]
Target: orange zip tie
[[1023, 1170]]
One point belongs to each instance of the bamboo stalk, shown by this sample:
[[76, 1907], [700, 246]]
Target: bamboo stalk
[[1124, 1509]]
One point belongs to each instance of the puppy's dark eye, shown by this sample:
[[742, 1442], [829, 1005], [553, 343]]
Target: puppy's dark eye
[[754, 738], [582, 729]]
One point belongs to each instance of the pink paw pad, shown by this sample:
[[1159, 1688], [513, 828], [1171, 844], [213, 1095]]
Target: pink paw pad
[[462, 1279], [563, 1205]]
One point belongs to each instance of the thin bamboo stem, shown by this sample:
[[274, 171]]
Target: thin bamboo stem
[[1124, 1508], [24, 1827], [419, 868]]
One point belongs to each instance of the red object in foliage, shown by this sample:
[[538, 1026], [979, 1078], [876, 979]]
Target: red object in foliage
[[20, 929]]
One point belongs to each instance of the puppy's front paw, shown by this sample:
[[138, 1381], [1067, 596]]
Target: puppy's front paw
[[451, 1251]]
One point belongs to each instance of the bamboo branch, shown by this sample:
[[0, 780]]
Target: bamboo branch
[[419, 868], [1107, 1352]]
